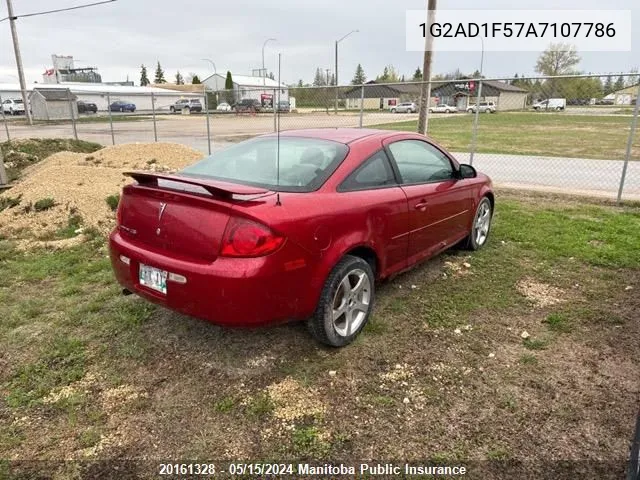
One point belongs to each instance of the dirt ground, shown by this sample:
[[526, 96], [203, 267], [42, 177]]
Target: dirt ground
[[78, 185]]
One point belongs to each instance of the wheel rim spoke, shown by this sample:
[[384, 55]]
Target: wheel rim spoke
[[351, 302]]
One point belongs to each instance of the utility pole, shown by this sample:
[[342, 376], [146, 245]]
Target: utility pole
[[425, 90], [16, 49]]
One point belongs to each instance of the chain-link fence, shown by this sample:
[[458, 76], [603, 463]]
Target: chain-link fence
[[571, 134]]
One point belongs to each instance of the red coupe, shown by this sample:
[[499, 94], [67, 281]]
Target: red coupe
[[298, 226]]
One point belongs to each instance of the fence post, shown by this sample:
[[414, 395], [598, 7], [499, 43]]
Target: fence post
[[4, 120], [275, 112], [361, 103], [206, 107], [73, 116], [113, 138], [627, 156], [474, 133], [3, 173], [153, 112]]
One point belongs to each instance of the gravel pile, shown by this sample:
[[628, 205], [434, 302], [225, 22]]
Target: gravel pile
[[79, 184]]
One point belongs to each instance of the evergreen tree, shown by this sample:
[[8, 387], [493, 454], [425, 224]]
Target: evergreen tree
[[272, 76], [144, 79], [228, 83], [417, 75], [179, 78], [332, 80], [159, 75], [619, 85], [300, 84], [359, 78], [608, 85], [319, 79], [195, 80]]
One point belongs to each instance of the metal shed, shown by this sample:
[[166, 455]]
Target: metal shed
[[53, 104]]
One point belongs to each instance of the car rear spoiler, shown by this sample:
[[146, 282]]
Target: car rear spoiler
[[214, 187]]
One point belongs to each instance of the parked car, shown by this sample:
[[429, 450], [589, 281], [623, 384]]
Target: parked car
[[405, 107], [13, 106], [86, 107], [485, 107], [443, 108], [550, 104], [122, 106], [283, 106], [223, 107], [192, 105], [305, 238], [248, 105], [604, 101]]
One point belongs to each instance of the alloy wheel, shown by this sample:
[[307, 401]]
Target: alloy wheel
[[482, 223], [351, 302]]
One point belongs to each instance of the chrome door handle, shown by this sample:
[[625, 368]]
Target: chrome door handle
[[421, 206]]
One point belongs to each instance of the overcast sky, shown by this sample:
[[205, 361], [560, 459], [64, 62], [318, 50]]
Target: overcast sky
[[119, 37]]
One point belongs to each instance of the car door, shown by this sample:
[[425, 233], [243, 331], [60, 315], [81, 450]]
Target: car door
[[374, 187], [439, 203]]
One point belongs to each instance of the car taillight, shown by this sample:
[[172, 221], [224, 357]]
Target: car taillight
[[244, 238], [119, 213]]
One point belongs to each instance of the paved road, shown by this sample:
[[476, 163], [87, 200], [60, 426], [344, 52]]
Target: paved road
[[595, 177]]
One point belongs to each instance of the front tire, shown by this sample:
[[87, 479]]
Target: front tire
[[393, 110], [481, 226], [172, 109], [345, 303]]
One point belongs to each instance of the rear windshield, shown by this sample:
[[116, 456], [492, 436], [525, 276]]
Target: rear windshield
[[195, 101], [305, 163], [17, 101]]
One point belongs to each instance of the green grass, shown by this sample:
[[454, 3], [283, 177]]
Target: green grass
[[260, 406], [63, 317], [113, 201], [559, 322], [44, 204], [62, 364], [535, 343], [544, 134]]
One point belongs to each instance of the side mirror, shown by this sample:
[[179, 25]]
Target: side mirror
[[467, 171]]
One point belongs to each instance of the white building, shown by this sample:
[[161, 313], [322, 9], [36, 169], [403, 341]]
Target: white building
[[102, 95], [246, 86]]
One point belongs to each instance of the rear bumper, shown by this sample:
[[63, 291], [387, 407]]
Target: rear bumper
[[239, 292]]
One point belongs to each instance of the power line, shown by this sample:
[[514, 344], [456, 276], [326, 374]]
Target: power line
[[15, 17]]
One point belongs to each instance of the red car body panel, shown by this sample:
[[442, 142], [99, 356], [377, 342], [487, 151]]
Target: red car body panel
[[399, 225]]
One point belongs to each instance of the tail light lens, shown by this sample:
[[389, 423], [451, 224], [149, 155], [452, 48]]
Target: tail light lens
[[243, 238], [119, 213]]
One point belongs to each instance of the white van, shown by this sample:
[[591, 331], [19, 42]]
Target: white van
[[551, 104]]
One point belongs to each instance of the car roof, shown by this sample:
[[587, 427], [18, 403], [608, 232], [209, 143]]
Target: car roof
[[341, 135]]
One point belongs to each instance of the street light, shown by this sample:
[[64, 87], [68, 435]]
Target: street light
[[337, 42], [474, 134], [264, 73]]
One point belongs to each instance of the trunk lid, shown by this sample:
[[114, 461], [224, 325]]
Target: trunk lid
[[182, 215]]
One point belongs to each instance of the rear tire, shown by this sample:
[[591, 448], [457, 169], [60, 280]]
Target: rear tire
[[481, 226], [393, 110], [172, 109], [345, 303]]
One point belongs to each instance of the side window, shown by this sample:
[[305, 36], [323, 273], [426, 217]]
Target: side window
[[373, 173], [420, 162]]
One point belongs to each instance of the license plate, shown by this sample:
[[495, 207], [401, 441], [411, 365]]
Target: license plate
[[154, 278]]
